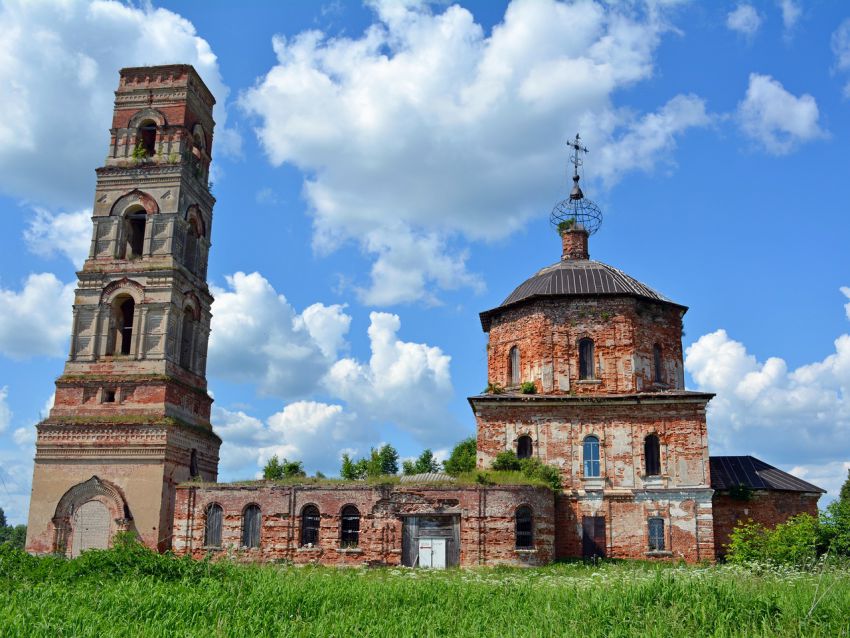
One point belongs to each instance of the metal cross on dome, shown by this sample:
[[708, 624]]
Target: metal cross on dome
[[577, 148]]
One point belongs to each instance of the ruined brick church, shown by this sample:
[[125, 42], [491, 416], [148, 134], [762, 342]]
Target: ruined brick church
[[129, 445]]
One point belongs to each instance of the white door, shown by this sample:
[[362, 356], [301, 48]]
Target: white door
[[432, 553], [91, 527]]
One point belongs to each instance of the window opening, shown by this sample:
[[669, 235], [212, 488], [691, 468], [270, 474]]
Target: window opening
[[251, 519], [109, 396], [122, 326], [310, 526], [513, 366], [135, 229], [190, 256], [656, 534], [524, 528], [193, 463], [524, 447], [212, 526], [186, 339], [147, 132], [591, 456], [585, 359], [350, 536], [652, 455]]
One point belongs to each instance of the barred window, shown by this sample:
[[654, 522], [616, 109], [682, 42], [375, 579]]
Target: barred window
[[524, 528], [251, 520], [350, 536], [652, 455], [590, 452], [310, 519], [656, 534], [585, 359], [212, 526]]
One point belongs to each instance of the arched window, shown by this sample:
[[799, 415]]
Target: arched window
[[585, 359], [187, 338], [524, 447], [212, 526], [134, 233], [251, 519], [524, 528], [350, 535], [656, 534], [121, 335], [656, 360], [190, 251], [193, 463], [590, 453], [513, 366], [652, 455], [310, 526], [147, 137]]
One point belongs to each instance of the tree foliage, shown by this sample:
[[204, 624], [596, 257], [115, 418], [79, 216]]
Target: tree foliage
[[844, 494], [276, 469], [380, 462], [463, 458], [423, 464], [14, 535]]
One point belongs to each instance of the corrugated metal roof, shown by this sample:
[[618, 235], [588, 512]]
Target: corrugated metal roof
[[428, 477], [730, 471], [576, 277]]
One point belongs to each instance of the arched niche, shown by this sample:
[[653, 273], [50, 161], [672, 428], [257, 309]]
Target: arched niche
[[80, 509]]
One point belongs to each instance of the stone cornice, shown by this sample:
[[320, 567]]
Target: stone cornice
[[587, 400]]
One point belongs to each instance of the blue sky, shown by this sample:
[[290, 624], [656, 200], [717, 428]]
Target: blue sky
[[385, 171]]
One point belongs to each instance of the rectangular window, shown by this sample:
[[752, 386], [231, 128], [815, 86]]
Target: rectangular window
[[656, 534]]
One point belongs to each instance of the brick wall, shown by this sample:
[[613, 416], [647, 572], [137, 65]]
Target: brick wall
[[486, 521], [768, 507]]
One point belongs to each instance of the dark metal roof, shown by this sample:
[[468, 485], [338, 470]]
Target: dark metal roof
[[576, 277], [730, 471]]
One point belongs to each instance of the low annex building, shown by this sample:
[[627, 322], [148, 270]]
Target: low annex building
[[585, 373]]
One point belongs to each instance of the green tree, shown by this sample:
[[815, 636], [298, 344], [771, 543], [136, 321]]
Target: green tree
[[463, 457], [275, 469], [2, 518], [844, 494], [389, 459], [422, 465], [506, 462]]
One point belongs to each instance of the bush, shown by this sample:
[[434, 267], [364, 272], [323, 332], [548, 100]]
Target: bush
[[835, 528], [793, 542], [463, 458], [528, 387], [506, 462]]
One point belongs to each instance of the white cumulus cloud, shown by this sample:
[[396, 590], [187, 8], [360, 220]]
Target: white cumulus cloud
[[840, 42], [791, 13], [792, 417], [37, 319], [68, 234], [427, 132], [776, 119], [744, 19], [59, 67], [258, 337], [5, 412]]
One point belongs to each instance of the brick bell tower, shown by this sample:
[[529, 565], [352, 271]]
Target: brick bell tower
[[131, 417]]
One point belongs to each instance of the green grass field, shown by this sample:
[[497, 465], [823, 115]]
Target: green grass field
[[135, 593]]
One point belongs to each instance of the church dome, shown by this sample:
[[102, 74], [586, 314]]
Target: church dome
[[576, 278]]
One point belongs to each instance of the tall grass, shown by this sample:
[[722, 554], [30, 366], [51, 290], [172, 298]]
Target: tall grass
[[132, 592]]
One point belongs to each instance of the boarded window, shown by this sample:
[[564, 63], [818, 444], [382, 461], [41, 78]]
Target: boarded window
[[212, 526], [656, 360], [656, 534], [590, 451], [513, 366], [251, 519], [585, 359], [350, 536], [652, 455], [310, 526], [524, 528], [524, 447]]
